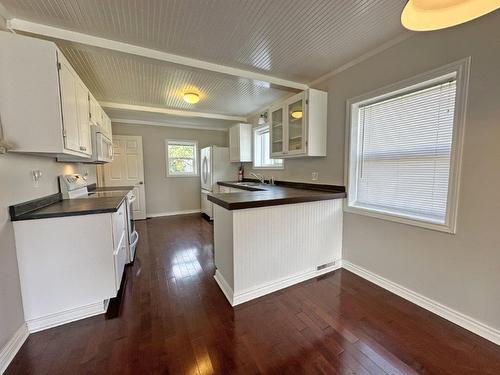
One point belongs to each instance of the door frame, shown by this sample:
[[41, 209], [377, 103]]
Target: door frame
[[140, 185]]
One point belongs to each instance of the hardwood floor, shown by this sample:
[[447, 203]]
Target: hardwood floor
[[173, 319]]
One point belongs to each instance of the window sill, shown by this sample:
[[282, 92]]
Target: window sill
[[400, 218]]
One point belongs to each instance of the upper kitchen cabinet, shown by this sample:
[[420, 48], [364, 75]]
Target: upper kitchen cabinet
[[44, 105], [99, 118], [240, 143], [298, 125]]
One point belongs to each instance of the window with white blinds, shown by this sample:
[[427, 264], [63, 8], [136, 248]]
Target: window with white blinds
[[402, 151]]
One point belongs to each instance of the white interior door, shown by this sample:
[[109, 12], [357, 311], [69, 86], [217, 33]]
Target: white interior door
[[127, 169]]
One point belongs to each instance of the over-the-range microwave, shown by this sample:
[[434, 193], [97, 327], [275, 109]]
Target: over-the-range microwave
[[102, 147]]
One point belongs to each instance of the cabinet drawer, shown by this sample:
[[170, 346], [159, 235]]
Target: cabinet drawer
[[119, 225]]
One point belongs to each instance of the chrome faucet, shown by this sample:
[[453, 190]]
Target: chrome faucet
[[259, 177]]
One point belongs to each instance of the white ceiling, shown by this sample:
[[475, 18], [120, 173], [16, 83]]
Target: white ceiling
[[294, 40], [124, 78]]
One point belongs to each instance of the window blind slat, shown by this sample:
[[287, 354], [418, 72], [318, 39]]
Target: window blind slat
[[405, 152]]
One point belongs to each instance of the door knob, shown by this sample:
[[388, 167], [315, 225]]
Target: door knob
[[141, 182]]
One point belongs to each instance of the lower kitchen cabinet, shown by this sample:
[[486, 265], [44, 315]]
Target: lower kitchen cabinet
[[71, 266]]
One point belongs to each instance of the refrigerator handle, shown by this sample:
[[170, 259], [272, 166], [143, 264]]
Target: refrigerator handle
[[204, 169]]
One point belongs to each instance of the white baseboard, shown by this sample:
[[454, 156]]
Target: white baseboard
[[9, 351], [437, 308], [223, 284], [270, 287], [173, 213], [67, 316]]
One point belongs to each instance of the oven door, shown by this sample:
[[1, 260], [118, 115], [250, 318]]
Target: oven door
[[132, 233]]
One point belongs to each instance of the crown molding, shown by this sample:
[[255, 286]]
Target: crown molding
[[365, 56]]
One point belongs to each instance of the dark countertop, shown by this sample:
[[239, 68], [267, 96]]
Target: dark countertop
[[263, 195], [112, 188], [54, 206]]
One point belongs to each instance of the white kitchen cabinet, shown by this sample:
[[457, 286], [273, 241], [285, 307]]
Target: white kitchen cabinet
[[99, 118], [69, 267], [298, 125], [95, 111], [43, 103], [106, 127], [240, 143], [83, 111]]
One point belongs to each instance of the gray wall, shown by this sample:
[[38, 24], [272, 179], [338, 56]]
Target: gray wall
[[461, 271], [169, 194], [16, 186]]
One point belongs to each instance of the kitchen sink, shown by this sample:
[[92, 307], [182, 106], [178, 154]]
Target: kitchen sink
[[248, 183]]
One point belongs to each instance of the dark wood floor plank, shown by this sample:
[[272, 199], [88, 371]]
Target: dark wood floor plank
[[172, 318]]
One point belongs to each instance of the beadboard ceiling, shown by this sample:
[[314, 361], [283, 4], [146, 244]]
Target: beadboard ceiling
[[124, 78], [294, 40]]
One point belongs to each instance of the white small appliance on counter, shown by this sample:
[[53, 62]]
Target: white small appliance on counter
[[76, 186], [215, 166]]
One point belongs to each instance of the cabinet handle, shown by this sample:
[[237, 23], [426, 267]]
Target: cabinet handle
[[83, 148]]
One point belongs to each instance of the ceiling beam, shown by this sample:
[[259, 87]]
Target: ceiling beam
[[76, 37], [174, 112], [166, 124]]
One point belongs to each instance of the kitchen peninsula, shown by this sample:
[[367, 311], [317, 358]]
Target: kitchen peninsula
[[268, 237]]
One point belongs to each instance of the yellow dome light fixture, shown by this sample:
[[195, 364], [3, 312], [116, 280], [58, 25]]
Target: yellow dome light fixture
[[191, 97], [427, 15], [297, 114]]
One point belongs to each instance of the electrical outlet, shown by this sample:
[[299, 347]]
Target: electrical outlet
[[36, 174], [314, 176]]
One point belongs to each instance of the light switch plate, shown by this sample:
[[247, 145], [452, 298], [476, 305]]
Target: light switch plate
[[314, 176]]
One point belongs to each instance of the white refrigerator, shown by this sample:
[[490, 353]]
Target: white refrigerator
[[215, 166]]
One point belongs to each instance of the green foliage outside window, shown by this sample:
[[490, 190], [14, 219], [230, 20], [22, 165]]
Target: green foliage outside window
[[181, 159]]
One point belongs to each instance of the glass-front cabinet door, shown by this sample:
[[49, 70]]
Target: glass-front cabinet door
[[296, 134], [277, 134]]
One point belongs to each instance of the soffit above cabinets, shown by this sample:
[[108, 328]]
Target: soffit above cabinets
[[292, 39]]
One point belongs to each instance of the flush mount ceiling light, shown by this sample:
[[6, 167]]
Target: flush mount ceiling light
[[426, 15], [297, 114], [191, 97]]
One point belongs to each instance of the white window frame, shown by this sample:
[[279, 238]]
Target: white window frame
[[460, 71], [254, 135], [196, 157]]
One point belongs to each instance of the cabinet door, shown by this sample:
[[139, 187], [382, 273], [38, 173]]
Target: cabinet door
[[109, 131], [67, 82], [83, 110], [234, 143], [296, 130], [95, 112], [277, 133]]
